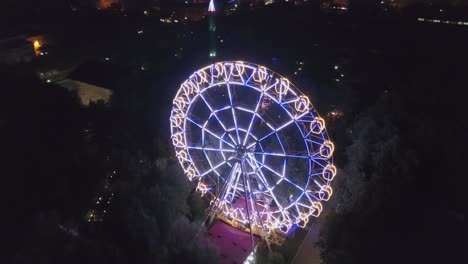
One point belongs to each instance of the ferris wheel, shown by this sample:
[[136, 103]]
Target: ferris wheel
[[254, 145]]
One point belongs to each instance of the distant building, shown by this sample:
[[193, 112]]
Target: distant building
[[95, 81], [335, 6], [191, 11], [87, 93]]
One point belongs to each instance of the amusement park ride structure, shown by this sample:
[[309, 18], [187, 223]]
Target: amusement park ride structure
[[255, 146]]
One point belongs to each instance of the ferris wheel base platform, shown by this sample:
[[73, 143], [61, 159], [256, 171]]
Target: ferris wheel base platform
[[234, 245]]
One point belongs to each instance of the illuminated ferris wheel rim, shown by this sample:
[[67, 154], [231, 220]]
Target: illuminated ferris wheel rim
[[276, 89]]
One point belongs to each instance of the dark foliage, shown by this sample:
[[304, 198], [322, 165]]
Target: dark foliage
[[385, 209], [57, 154]]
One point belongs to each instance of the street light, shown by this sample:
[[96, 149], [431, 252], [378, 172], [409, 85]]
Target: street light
[[37, 46]]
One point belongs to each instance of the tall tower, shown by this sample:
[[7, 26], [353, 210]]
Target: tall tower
[[212, 28]]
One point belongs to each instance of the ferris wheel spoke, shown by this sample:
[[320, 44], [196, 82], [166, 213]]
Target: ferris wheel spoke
[[213, 168], [270, 191], [232, 138], [290, 101], [233, 112], [259, 174], [211, 163], [211, 149], [213, 112], [252, 145], [218, 137], [268, 135], [234, 181], [281, 155], [257, 170], [301, 115], [317, 162], [277, 130], [295, 185], [285, 125], [207, 130], [270, 169], [271, 85], [254, 114], [194, 122], [311, 197]]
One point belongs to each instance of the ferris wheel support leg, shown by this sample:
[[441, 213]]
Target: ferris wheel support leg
[[257, 211], [244, 180], [212, 211], [265, 236], [263, 227]]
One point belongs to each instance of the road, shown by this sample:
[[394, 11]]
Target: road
[[308, 252]]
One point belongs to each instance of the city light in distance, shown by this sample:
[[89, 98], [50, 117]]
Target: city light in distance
[[460, 23]]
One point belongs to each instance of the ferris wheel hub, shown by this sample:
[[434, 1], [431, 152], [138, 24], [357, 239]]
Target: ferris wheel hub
[[242, 151]]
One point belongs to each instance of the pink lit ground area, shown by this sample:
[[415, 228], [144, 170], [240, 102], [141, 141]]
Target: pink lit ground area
[[234, 245]]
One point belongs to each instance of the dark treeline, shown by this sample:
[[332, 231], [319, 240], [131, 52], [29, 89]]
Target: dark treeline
[[398, 152], [55, 156]]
